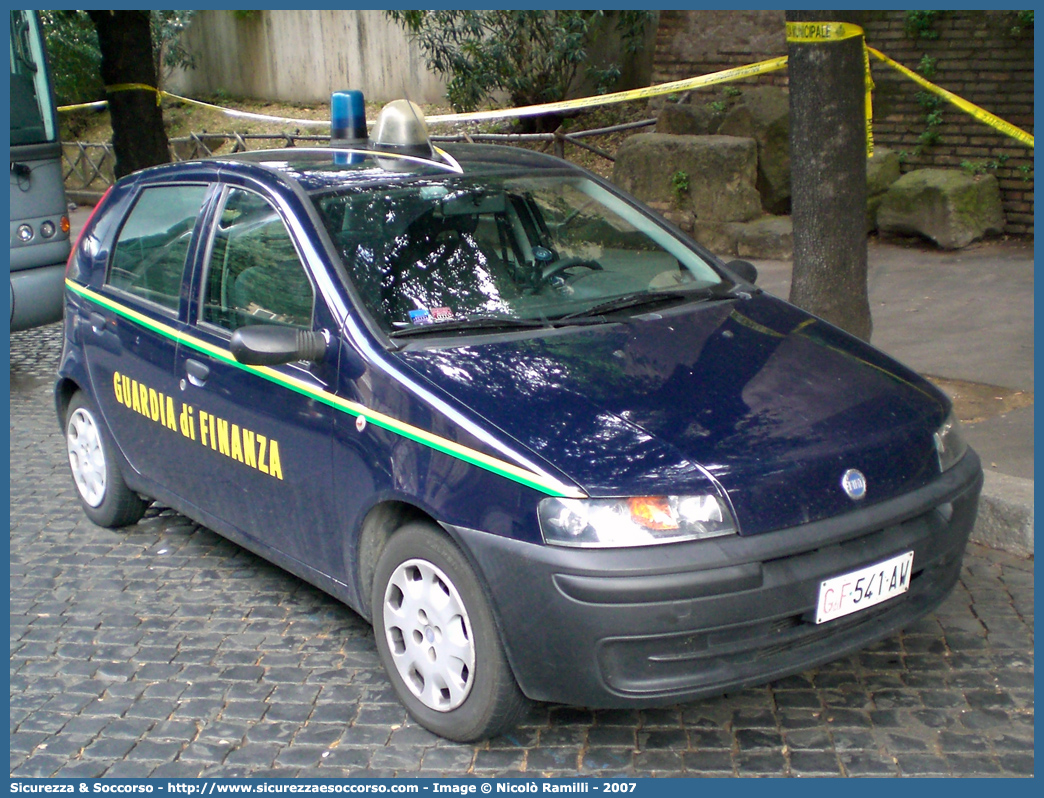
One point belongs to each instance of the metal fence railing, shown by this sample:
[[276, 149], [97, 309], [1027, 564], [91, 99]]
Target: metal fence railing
[[88, 167]]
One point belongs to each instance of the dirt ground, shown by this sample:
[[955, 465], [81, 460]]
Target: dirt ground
[[974, 402]]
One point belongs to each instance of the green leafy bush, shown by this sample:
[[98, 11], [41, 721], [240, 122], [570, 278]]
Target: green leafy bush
[[534, 56], [933, 119], [680, 185], [1023, 22], [920, 24], [928, 66]]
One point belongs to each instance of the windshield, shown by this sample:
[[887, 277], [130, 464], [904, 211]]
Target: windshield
[[32, 115], [516, 249]]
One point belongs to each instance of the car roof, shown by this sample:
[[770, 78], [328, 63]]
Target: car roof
[[318, 169]]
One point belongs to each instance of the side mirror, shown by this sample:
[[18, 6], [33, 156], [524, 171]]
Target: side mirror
[[273, 345], [743, 269]]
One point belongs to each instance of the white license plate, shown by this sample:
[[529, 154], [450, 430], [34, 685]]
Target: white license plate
[[851, 592]]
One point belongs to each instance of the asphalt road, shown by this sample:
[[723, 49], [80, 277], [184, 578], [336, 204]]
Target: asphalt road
[[164, 650]]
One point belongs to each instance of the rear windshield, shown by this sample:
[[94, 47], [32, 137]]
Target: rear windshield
[[531, 248]]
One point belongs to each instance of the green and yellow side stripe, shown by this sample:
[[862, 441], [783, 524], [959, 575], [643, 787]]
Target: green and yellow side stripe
[[528, 477]]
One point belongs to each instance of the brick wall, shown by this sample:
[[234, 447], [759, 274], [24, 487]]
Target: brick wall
[[977, 57], [690, 43]]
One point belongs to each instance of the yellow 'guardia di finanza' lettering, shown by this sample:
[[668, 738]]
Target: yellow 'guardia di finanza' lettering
[[237, 443]]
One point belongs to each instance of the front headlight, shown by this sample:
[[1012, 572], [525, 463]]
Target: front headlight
[[638, 521], [949, 443]]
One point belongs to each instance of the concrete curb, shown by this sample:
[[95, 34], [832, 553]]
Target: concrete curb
[[1005, 514]]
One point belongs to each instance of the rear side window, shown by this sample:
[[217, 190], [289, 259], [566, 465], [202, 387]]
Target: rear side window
[[254, 275], [149, 258]]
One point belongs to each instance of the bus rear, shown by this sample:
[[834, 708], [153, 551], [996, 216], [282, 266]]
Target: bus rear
[[39, 214]]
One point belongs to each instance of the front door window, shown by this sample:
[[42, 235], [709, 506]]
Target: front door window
[[255, 276]]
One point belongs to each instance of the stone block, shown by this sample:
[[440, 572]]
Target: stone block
[[1005, 519], [721, 172], [771, 238], [873, 204], [947, 206], [882, 169], [688, 120], [763, 114], [719, 237]]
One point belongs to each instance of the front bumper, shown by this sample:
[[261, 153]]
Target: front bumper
[[646, 626]]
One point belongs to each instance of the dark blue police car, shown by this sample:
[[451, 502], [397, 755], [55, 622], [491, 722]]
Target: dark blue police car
[[551, 447]]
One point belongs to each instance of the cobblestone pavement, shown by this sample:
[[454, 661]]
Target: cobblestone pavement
[[165, 650]]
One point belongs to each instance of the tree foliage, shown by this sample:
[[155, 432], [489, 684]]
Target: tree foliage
[[168, 52], [534, 56], [75, 58], [72, 49]]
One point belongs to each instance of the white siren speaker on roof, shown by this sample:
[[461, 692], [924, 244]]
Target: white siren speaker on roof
[[400, 127]]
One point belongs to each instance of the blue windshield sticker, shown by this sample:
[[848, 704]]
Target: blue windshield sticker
[[420, 316]]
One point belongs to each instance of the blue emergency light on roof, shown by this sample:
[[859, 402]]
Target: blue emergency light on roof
[[347, 118]]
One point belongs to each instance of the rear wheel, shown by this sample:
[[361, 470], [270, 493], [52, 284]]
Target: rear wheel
[[437, 638], [105, 497]]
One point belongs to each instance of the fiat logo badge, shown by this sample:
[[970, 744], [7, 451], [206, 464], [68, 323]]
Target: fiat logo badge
[[854, 484]]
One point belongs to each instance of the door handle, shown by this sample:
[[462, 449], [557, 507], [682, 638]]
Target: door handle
[[97, 322], [197, 372]]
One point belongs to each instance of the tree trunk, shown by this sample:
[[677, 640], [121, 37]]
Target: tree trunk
[[828, 176], [138, 136]]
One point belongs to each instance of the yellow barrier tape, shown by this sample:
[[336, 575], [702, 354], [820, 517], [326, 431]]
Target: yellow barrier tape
[[134, 87], [868, 102], [82, 106], [815, 32], [250, 115], [227, 111], [725, 75], [820, 32], [969, 108], [713, 78], [797, 32]]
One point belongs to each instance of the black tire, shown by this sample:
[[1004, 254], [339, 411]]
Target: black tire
[[480, 698], [105, 497]]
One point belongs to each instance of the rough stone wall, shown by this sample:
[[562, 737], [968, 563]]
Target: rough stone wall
[[978, 58], [303, 56]]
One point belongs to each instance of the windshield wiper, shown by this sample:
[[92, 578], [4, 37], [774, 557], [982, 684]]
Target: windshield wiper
[[644, 299], [468, 323]]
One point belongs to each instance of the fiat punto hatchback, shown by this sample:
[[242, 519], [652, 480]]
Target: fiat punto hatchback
[[549, 445]]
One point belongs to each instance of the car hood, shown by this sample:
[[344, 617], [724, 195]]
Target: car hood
[[771, 403]]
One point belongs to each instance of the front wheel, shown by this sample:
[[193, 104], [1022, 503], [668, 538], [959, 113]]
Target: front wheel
[[105, 497], [437, 638]]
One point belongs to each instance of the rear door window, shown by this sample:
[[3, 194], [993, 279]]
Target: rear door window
[[148, 260]]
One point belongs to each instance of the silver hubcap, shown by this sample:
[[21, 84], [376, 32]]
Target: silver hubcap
[[86, 457], [429, 635]]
